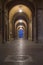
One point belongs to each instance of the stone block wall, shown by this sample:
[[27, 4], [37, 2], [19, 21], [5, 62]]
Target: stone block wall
[[40, 24], [0, 23]]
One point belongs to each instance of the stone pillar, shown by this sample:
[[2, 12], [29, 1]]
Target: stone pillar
[[27, 31], [36, 27], [0, 21], [32, 27], [36, 24], [3, 22], [30, 30], [6, 25]]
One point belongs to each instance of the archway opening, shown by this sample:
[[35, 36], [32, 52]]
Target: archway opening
[[20, 9], [20, 24], [20, 33]]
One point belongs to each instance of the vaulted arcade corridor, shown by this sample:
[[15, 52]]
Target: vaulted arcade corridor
[[20, 18], [21, 32]]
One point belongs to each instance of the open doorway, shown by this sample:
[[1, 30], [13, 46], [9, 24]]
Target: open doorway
[[21, 33]]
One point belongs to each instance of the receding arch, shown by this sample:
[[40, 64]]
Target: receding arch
[[12, 3], [26, 11], [18, 21], [16, 8], [23, 28]]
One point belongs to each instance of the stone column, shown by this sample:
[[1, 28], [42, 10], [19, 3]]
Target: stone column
[[33, 27], [6, 25], [36, 24], [36, 27], [3, 22], [0, 22]]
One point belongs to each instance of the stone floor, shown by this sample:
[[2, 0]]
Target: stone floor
[[21, 52]]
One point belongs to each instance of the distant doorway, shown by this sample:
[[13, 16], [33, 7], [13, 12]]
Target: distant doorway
[[21, 33]]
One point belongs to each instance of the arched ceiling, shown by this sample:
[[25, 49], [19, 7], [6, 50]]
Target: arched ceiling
[[20, 16], [20, 21], [22, 27], [10, 3], [16, 9], [11, 0]]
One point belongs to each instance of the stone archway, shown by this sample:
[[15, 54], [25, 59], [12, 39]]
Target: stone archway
[[21, 25], [31, 8], [20, 15], [17, 18]]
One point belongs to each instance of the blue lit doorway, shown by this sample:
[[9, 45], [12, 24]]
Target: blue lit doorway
[[21, 33]]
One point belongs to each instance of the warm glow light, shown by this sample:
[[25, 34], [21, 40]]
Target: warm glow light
[[21, 28], [20, 21], [20, 10]]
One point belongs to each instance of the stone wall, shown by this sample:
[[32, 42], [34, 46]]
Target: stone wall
[[40, 20], [40, 24], [0, 23]]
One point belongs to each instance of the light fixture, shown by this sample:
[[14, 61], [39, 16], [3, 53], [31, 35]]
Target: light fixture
[[20, 10], [20, 21], [21, 28]]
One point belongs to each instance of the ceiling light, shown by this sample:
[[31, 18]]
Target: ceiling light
[[21, 28], [20, 10], [20, 21]]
